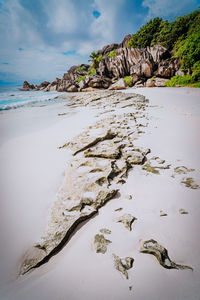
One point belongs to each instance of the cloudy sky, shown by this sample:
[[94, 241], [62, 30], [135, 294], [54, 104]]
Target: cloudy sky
[[41, 39]]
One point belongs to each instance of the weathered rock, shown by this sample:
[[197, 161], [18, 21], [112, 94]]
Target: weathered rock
[[150, 83], [72, 88], [126, 39], [182, 170], [108, 48], [128, 197], [105, 231], [190, 183], [162, 213], [160, 82], [183, 211], [168, 68], [89, 181], [161, 253], [27, 86], [118, 209], [98, 81], [122, 265], [127, 220], [119, 85], [100, 243]]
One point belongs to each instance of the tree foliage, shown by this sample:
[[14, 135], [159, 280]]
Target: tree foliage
[[182, 36]]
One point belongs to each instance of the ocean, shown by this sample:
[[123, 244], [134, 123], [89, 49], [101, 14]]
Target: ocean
[[11, 97]]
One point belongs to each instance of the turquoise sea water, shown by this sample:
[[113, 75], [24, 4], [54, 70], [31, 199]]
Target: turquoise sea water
[[11, 97]]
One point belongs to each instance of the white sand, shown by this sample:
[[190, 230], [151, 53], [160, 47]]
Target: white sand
[[32, 169]]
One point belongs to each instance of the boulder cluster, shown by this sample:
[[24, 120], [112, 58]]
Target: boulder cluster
[[151, 66]]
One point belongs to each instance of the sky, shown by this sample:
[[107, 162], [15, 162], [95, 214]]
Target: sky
[[41, 39]]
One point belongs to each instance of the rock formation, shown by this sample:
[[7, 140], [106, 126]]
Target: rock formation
[[151, 66], [99, 164]]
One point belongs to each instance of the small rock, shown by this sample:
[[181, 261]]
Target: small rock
[[122, 265], [162, 213], [118, 209], [119, 85], [127, 220], [182, 211], [129, 197], [100, 243], [182, 170], [190, 183], [105, 231]]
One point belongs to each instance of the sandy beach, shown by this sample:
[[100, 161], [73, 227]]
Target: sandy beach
[[33, 169]]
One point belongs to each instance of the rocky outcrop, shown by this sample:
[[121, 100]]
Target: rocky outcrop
[[27, 86], [102, 155], [118, 61], [161, 253]]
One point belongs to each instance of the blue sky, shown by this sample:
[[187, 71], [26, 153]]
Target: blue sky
[[41, 39]]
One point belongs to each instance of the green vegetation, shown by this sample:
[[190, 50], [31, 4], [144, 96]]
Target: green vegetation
[[128, 81], [95, 59], [81, 78], [91, 72], [111, 53], [83, 68], [182, 36], [187, 80]]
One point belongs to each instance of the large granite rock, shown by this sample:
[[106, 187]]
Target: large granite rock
[[119, 85], [27, 86]]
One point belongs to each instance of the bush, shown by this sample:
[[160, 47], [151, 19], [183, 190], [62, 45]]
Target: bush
[[180, 80], [80, 78], [91, 72], [128, 81], [83, 68], [111, 53]]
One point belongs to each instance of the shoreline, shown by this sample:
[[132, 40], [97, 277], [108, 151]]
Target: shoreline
[[171, 148]]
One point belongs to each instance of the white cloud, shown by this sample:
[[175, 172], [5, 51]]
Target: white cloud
[[169, 8], [62, 16]]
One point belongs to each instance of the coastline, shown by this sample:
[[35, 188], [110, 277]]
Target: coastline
[[32, 168]]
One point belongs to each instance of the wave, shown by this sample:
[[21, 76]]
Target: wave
[[13, 99]]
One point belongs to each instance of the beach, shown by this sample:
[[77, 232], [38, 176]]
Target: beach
[[34, 168]]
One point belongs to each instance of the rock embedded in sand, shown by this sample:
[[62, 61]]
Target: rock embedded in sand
[[190, 183], [128, 197], [122, 265], [161, 253], [162, 213], [91, 181], [182, 211], [127, 220], [118, 209], [105, 231], [183, 170], [100, 243]]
